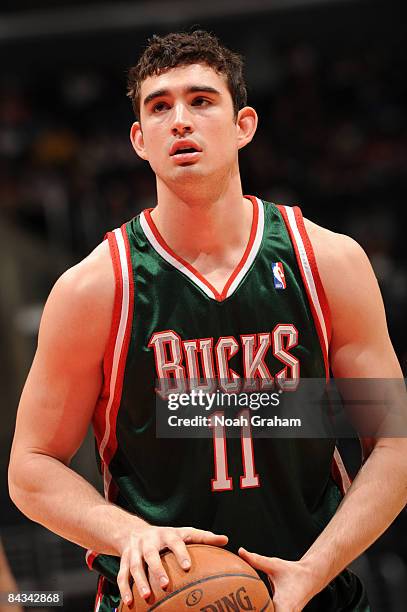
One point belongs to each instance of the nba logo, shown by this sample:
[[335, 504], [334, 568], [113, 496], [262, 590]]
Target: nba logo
[[279, 276]]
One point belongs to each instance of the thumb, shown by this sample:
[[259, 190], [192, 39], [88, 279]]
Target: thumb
[[265, 564]]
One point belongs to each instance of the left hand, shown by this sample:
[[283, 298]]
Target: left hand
[[291, 581]]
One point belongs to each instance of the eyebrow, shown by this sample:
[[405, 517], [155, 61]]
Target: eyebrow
[[159, 93]]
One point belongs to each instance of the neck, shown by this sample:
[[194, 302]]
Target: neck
[[210, 220]]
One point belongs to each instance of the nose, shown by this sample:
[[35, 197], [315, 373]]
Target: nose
[[182, 121]]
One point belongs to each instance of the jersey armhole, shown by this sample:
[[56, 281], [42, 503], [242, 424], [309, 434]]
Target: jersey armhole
[[310, 275], [117, 307], [307, 264], [114, 360], [313, 262]]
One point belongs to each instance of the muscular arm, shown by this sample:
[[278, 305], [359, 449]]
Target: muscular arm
[[360, 348], [56, 408]]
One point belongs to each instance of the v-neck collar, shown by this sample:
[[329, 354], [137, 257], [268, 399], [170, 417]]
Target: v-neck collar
[[256, 234]]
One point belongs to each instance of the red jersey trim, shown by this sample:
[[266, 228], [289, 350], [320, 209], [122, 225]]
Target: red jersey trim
[[90, 557], [191, 271], [321, 301], [114, 361], [99, 417], [253, 233], [183, 262], [318, 283], [104, 420], [99, 593]]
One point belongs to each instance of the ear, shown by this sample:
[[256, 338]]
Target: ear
[[137, 140], [246, 124]]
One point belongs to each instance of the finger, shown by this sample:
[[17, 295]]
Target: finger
[[264, 564], [140, 578], [200, 536], [177, 546], [123, 580], [153, 560]]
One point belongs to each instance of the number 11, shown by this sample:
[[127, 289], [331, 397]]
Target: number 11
[[222, 481]]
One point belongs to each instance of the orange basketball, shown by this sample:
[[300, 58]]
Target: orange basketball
[[218, 581]]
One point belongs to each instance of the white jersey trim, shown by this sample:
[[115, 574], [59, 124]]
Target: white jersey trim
[[253, 252], [117, 352], [307, 273], [189, 273], [170, 259]]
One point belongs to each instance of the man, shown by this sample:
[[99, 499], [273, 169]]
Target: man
[[208, 284]]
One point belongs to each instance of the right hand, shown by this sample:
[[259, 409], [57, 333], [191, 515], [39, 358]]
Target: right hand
[[143, 547]]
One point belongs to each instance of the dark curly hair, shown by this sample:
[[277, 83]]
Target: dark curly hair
[[183, 48]]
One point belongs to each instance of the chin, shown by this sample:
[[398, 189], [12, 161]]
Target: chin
[[186, 171]]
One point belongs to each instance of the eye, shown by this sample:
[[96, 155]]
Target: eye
[[200, 101], [160, 106]]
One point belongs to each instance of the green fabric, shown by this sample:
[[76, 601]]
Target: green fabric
[[168, 482]]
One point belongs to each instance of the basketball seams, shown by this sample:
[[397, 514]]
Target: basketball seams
[[214, 550], [197, 579], [201, 581]]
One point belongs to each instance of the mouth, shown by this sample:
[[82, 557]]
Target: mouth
[[184, 147], [185, 151], [185, 154]]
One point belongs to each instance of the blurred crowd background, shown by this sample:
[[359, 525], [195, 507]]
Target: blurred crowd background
[[328, 80]]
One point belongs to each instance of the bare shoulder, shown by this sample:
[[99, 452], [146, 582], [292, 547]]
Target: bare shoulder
[[92, 278], [331, 246], [360, 344], [66, 376], [81, 303], [340, 259], [351, 288], [347, 276]]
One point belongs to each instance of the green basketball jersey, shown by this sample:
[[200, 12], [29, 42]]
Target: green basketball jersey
[[269, 323]]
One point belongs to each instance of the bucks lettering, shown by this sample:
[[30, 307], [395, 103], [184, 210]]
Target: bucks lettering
[[268, 326], [204, 364]]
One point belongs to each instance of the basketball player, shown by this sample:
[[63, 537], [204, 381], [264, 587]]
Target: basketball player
[[209, 283]]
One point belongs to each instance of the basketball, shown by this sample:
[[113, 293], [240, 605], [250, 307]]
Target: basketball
[[218, 580]]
